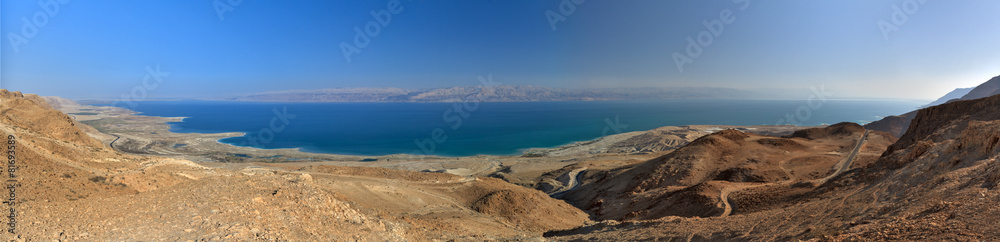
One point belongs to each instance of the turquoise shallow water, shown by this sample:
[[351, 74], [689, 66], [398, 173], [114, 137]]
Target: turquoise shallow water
[[461, 129]]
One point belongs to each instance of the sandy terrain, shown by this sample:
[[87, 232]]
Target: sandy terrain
[[938, 181], [73, 187], [696, 180]]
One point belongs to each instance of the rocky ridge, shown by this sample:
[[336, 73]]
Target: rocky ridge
[[73, 187]]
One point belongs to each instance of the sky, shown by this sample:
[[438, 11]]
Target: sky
[[897, 49]]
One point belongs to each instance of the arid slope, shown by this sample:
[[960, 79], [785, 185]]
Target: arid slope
[[938, 182], [689, 181], [73, 187]]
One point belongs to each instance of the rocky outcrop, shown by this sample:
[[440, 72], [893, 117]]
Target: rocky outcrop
[[897, 125], [944, 122]]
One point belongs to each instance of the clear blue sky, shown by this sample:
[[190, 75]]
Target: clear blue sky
[[100, 49]]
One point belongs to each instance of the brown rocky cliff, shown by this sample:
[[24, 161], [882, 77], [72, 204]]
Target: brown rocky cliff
[[897, 125], [959, 114], [938, 182]]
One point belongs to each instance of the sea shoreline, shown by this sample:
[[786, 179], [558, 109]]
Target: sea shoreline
[[151, 135], [521, 152], [164, 120]]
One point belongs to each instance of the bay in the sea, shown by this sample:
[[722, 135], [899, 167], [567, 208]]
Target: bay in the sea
[[491, 128]]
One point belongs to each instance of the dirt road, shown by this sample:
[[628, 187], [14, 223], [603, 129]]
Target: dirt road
[[845, 164], [841, 166], [574, 177]]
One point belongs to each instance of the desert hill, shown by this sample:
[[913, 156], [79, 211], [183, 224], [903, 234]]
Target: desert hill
[[942, 175], [689, 181], [73, 187], [895, 125], [48, 145], [938, 182]]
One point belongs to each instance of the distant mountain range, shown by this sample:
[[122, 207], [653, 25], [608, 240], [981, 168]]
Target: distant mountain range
[[958, 93], [497, 94]]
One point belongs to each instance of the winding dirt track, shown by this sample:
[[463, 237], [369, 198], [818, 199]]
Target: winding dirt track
[[725, 200], [841, 167], [730, 189]]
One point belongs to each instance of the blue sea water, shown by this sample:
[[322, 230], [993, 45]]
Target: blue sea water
[[500, 128]]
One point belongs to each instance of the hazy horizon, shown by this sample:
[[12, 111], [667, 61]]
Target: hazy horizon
[[756, 94], [915, 50]]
